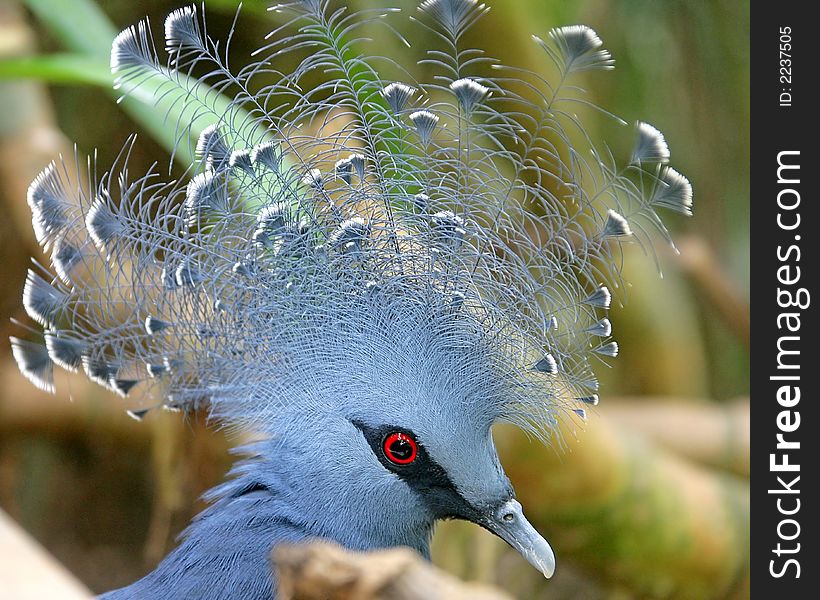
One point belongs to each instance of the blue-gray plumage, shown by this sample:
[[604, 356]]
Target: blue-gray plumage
[[369, 298]]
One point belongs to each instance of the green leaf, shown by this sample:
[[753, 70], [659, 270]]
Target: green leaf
[[57, 68], [79, 24], [156, 104]]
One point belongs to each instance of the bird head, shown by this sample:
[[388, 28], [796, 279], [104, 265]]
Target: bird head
[[453, 472], [393, 431]]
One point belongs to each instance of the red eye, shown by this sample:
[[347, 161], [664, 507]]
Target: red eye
[[400, 448]]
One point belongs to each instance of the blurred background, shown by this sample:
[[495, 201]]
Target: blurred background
[[651, 500]]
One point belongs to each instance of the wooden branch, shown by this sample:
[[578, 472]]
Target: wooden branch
[[28, 572], [324, 571]]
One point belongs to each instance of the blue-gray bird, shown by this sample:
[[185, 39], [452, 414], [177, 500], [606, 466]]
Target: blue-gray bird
[[366, 274]]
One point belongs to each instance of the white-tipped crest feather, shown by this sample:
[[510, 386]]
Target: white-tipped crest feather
[[362, 238]]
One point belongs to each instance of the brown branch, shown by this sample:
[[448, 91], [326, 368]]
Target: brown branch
[[28, 571], [324, 571]]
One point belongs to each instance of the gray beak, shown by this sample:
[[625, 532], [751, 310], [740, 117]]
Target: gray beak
[[508, 522]]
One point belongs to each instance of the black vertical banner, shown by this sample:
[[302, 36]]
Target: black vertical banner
[[785, 271]]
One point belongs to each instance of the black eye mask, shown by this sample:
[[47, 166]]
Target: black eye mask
[[424, 475]]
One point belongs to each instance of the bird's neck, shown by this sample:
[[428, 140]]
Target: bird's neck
[[266, 502], [336, 504]]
